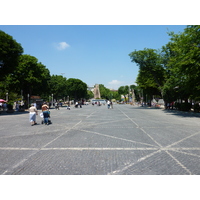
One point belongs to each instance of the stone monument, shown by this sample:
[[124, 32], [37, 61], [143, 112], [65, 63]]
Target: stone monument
[[97, 92]]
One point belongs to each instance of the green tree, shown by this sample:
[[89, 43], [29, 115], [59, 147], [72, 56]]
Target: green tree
[[108, 94], [183, 52], [10, 51], [124, 90], [151, 71], [147, 86], [30, 77], [115, 95], [105, 92], [76, 88], [58, 86], [90, 95]]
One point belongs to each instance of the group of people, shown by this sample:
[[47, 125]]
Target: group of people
[[33, 112], [78, 104], [45, 111], [3, 106], [109, 104]]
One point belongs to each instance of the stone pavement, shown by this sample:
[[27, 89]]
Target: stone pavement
[[94, 140]]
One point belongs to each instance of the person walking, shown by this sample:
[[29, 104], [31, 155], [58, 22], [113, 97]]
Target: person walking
[[45, 112], [68, 105], [108, 103], [57, 106], [32, 114], [111, 104]]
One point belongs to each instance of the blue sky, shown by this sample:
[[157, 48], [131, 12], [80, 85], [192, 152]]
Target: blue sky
[[91, 53]]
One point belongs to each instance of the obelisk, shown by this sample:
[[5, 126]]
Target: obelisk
[[97, 92]]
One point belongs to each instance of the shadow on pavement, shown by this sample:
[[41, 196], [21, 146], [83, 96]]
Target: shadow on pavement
[[182, 113], [14, 113], [146, 107], [170, 112]]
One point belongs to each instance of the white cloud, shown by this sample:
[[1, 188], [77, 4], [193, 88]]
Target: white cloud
[[62, 45], [115, 84]]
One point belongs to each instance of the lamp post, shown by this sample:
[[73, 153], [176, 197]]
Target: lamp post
[[22, 94], [28, 100], [142, 97], [7, 96], [68, 103], [52, 100]]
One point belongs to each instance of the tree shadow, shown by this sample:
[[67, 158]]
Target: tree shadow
[[181, 113], [170, 111], [146, 107], [3, 113]]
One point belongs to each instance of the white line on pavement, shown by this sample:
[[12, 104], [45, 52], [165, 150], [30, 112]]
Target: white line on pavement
[[103, 149]]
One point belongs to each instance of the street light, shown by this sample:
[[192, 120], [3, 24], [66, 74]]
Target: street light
[[22, 94], [68, 103], [7, 96], [28, 100], [52, 100]]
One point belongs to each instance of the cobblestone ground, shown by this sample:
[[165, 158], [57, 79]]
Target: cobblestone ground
[[94, 140]]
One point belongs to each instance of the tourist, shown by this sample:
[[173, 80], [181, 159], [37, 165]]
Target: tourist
[[57, 106], [45, 112], [32, 114], [111, 104], [108, 103]]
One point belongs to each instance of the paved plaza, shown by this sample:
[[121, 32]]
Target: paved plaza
[[94, 140]]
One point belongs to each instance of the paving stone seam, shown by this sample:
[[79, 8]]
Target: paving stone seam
[[140, 128], [179, 163], [132, 164], [183, 139], [110, 136], [180, 150]]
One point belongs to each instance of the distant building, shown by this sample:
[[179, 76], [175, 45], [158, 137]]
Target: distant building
[[113, 90]]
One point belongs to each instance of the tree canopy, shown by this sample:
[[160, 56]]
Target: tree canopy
[[124, 90], [183, 53], [105, 92], [58, 86], [10, 52], [30, 76], [151, 72], [76, 88], [174, 70]]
